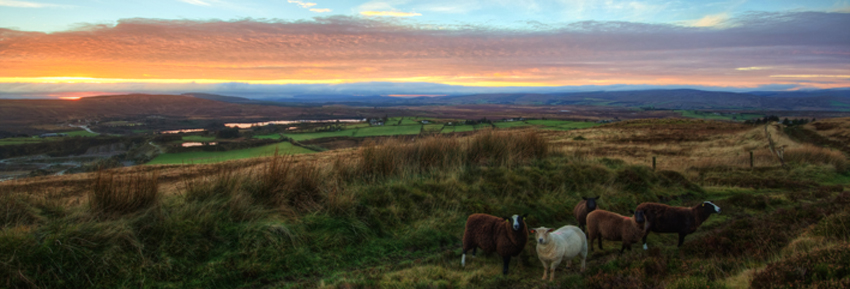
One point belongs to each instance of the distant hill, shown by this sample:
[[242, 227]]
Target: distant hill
[[821, 100], [28, 111]]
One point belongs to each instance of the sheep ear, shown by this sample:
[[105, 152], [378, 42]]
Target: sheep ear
[[583, 198], [551, 230], [532, 231]]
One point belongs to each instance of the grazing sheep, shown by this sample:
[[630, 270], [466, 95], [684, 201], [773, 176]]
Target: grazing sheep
[[506, 236], [583, 208], [611, 226], [661, 218], [554, 246]]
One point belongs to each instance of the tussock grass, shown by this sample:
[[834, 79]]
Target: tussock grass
[[811, 154], [117, 195]]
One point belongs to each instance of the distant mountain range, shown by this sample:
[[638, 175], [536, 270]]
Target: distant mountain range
[[819, 100]]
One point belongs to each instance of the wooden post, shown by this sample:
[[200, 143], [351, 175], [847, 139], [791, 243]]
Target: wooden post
[[751, 160], [653, 163]]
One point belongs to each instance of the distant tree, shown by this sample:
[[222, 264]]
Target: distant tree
[[786, 121], [228, 133]]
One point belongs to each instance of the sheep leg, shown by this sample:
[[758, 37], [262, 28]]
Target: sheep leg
[[553, 267], [507, 261], [645, 234], [463, 260], [474, 251], [681, 239], [600, 243], [545, 268]]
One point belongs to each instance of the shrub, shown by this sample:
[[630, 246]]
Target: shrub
[[16, 210], [111, 194], [824, 268], [836, 226]]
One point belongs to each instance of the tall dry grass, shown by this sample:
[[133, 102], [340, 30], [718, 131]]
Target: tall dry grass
[[811, 154], [112, 194]]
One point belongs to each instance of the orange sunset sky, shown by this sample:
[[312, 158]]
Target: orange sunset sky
[[777, 50]]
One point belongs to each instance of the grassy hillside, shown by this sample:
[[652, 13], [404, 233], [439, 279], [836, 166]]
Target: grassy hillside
[[391, 215]]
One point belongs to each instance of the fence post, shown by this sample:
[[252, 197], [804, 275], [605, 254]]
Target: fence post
[[751, 160], [653, 163]]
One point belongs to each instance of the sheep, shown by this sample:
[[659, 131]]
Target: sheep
[[506, 236], [553, 246], [607, 225], [661, 218], [583, 208]]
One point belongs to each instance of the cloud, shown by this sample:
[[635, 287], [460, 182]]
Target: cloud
[[389, 13], [302, 4], [195, 2], [342, 50], [714, 20], [27, 4], [752, 68], [318, 10]]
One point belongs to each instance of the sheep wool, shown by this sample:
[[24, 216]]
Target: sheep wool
[[611, 226], [564, 244], [506, 236]]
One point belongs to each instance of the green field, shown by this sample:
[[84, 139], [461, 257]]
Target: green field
[[388, 130], [433, 127], [214, 157], [315, 135], [712, 116], [80, 133], [268, 136], [458, 128], [562, 124], [408, 121], [507, 124], [20, 140], [358, 125], [198, 138]]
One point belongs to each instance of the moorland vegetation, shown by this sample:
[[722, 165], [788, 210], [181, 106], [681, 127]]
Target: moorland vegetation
[[391, 214]]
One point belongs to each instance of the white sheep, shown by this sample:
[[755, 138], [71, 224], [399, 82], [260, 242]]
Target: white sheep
[[553, 246]]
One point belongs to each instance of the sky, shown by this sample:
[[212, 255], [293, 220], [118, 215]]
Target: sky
[[56, 47]]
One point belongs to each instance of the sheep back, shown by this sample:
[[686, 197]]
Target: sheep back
[[614, 227], [580, 212], [662, 218], [491, 233]]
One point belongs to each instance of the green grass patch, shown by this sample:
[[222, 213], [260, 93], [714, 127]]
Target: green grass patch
[[433, 127], [507, 124], [268, 136], [409, 121], [214, 157], [388, 130], [315, 135], [80, 133], [711, 115], [22, 140]]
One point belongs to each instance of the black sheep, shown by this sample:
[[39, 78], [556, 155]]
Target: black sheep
[[661, 218]]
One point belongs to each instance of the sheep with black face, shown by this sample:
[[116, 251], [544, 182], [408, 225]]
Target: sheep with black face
[[506, 236], [661, 218], [583, 208]]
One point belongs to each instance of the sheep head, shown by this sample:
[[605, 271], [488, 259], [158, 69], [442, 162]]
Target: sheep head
[[542, 235], [516, 221], [710, 207], [590, 203], [640, 217]]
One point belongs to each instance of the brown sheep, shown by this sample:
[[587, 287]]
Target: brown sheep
[[583, 208], [661, 218], [611, 226], [506, 236]]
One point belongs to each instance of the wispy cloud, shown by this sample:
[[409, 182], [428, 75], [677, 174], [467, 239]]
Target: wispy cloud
[[752, 68], [338, 49], [302, 4], [28, 4], [320, 10], [714, 20], [389, 13], [195, 2]]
